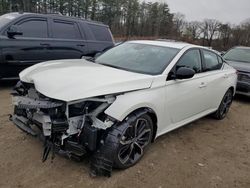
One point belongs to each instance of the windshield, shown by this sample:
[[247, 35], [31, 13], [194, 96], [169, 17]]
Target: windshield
[[238, 54], [6, 18], [141, 58]]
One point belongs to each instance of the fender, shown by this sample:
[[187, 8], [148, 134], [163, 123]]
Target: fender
[[152, 98]]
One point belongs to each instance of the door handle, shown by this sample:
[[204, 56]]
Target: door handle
[[225, 76], [81, 45], [202, 85]]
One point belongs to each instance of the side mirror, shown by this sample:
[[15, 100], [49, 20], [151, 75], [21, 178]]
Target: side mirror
[[13, 30], [184, 73], [86, 57]]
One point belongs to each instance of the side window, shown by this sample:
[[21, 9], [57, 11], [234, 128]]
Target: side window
[[101, 33], [211, 61], [191, 59], [36, 28], [65, 30]]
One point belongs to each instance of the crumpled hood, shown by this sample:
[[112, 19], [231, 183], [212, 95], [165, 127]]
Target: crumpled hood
[[240, 66], [70, 80]]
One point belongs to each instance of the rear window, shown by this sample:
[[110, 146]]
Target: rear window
[[65, 30], [211, 61], [100, 32]]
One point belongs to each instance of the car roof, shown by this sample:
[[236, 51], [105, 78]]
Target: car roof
[[58, 15], [171, 44]]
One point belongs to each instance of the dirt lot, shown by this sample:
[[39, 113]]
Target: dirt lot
[[206, 153]]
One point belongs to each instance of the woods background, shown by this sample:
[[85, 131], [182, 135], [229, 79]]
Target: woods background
[[134, 19]]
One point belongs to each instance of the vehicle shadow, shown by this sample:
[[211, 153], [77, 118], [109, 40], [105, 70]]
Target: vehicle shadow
[[5, 84], [242, 98]]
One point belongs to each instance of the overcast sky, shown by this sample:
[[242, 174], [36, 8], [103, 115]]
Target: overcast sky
[[233, 11]]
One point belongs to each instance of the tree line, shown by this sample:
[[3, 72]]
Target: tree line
[[136, 19]]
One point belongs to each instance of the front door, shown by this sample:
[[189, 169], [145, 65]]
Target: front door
[[23, 51], [186, 98]]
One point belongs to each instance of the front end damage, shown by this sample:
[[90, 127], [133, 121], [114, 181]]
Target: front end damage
[[71, 129]]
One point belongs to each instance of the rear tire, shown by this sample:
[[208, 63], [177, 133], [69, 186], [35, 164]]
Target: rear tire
[[224, 105]]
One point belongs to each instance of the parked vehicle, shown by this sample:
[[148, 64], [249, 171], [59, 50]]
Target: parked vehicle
[[114, 108], [239, 58], [29, 38]]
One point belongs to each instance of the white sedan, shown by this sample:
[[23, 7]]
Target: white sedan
[[113, 106]]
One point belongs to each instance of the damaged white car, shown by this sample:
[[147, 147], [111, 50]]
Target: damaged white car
[[115, 105]]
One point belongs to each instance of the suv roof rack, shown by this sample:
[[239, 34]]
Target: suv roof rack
[[55, 13], [60, 14], [74, 17]]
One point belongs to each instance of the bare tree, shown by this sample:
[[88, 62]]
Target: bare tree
[[193, 30], [210, 28], [225, 33], [138, 18], [179, 22], [246, 32]]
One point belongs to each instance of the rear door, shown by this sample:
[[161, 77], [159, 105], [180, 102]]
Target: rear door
[[67, 42], [98, 36], [29, 48], [216, 78]]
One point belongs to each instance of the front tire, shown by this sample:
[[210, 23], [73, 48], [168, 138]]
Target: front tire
[[129, 139], [224, 106], [134, 141]]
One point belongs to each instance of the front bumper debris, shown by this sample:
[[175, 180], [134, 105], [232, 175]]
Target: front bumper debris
[[22, 123], [28, 103], [71, 130]]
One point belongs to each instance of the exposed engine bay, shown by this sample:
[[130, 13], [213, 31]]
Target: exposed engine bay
[[70, 129]]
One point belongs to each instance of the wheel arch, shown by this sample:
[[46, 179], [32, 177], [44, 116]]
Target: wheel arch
[[144, 110], [152, 115], [232, 89], [150, 100]]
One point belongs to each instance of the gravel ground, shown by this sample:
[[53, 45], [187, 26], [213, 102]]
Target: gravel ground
[[205, 153]]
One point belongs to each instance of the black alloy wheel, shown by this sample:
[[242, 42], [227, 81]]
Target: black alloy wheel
[[224, 105], [133, 140]]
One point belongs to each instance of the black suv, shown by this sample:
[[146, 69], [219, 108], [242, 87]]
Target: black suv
[[29, 38]]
